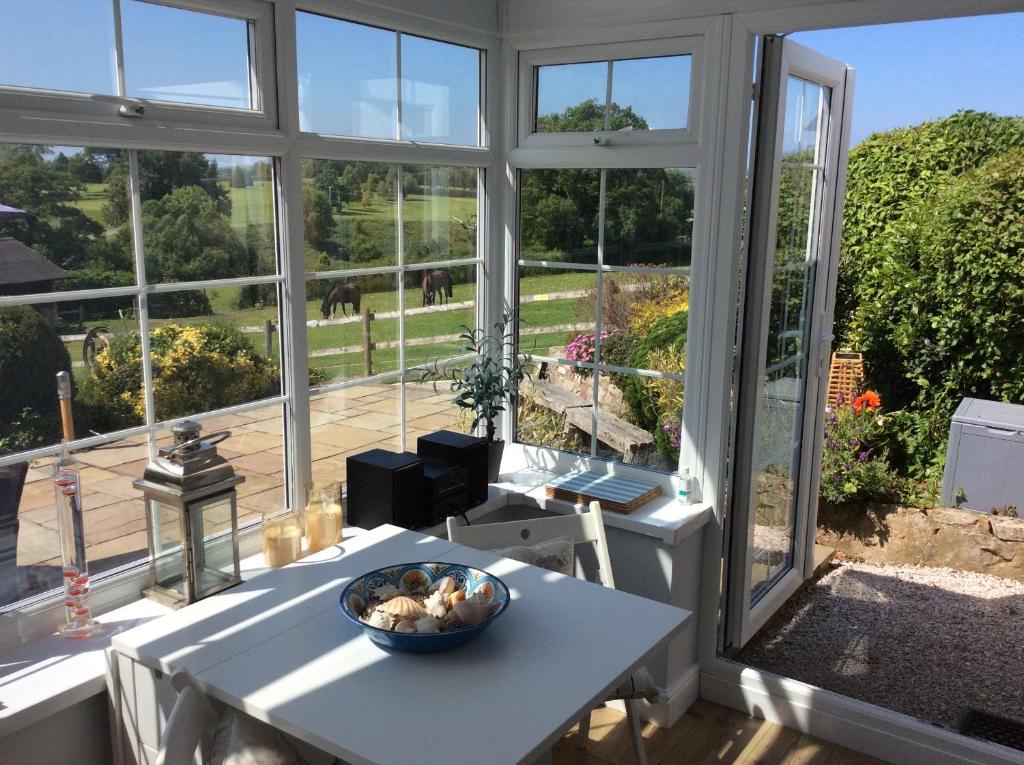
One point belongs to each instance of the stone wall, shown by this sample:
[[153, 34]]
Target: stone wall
[[942, 536]]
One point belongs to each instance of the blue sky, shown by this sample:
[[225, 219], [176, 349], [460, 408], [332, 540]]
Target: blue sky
[[910, 73], [906, 73]]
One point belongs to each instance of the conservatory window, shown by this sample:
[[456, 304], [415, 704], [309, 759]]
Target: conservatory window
[[374, 327], [396, 85], [157, 60], [603, 295], [155, 283]]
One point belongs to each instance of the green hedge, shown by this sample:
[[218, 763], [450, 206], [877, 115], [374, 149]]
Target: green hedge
[[31, 355]]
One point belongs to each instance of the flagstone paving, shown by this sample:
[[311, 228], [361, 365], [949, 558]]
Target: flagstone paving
[[343, 423]]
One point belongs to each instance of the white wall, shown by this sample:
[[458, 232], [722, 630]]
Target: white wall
[[79, 734]]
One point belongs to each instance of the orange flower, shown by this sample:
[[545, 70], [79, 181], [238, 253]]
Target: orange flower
[[867, 400]]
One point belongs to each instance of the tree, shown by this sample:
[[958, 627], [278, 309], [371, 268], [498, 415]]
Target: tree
[[189, 239], [317, 217], [160, 173], [54, 227], [238, 178]]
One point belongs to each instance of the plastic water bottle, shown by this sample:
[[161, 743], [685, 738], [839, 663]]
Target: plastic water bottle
[[685, 485]]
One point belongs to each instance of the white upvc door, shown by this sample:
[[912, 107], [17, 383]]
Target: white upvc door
[[799, 165]]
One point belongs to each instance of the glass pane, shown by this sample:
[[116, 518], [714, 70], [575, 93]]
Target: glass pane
[[778, 447], [350, 215], [71, 236], [429, 407], [348, 79], [571, 97], [255, 450], [644, 320], [354, 327], [183, 56], [559, 210], [114, 513], [439, 302], [555, 306], [212, 524], [651, 93], [165, 520], [205, 358], [639, 419], [91, 339], [205, 216], [350, 421], [649, 218], [440, 92], [439, 213], [557, 412], [58, 45]]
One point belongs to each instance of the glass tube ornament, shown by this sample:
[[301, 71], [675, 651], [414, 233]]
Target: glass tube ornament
[[71, 529]]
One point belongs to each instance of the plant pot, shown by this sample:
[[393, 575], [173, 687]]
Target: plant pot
[[494, 460]]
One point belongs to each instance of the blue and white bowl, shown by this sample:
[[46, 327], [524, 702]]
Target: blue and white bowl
[[412, 577]]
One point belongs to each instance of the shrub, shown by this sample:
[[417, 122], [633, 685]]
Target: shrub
[[897, 171], [946, 305], [31, 354], [195, 369], [854, 465]]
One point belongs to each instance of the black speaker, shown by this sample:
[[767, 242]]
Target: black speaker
[[459, 449], [385, 487]]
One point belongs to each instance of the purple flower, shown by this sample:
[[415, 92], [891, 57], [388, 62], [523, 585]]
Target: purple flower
[[854, 443], [863, 456]]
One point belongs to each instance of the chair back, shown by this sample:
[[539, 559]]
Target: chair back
[[192, 718], [582, 527]]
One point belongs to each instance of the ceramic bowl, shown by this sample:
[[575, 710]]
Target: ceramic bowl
[[409, 577]]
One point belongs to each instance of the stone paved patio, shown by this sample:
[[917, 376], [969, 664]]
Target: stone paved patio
[[343, 423]]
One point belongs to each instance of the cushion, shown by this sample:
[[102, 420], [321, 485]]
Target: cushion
[[556, 554], [243, 740]]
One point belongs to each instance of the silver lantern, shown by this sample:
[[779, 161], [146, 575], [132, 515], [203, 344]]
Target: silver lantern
[[191, 518]]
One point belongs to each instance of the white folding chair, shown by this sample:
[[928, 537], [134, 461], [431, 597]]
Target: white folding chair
[[192, 720], [583, 528]]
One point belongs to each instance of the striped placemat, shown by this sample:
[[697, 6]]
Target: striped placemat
[[614, 493]]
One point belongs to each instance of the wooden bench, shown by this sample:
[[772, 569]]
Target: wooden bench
[[635, 444]]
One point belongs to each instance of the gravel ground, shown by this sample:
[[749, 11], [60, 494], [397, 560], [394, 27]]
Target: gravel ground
[[923, 641]]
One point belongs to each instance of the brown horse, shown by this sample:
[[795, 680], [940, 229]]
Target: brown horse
[[341, 294], [436, 283]]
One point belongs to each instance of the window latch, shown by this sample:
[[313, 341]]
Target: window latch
[[132, 110]]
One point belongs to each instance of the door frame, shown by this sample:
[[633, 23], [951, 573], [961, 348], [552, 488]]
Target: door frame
[[856, 724], [780, 59]]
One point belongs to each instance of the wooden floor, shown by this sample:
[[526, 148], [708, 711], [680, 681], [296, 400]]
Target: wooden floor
[[707, 733]]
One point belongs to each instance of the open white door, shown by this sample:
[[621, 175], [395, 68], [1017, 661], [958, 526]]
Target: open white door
[[797, 189]]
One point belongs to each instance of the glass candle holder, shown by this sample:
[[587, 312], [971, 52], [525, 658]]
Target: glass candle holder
[[323, 515], [282, 539]]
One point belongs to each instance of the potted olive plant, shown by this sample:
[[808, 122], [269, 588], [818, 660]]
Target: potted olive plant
[[487, 383]]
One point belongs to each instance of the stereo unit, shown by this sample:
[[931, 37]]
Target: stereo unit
[[469, 452], [385, 487]]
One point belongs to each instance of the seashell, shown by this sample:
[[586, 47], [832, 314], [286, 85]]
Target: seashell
[[445, 585], [437, 605], [455, 597], [384, 592], [380, 619], [427, 624], [402, 608], [406, 626], [468, 612], [414, 579], [483, 593]]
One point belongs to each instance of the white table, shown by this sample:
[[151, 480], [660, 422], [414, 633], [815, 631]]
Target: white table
[[278, 648]]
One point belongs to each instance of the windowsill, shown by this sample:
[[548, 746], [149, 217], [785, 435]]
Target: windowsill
[[49, 674]]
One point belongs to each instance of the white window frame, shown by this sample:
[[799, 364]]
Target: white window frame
[[694, 148], [21, 107], [531, 60]]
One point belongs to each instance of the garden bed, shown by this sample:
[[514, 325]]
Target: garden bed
[[941, 536]]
